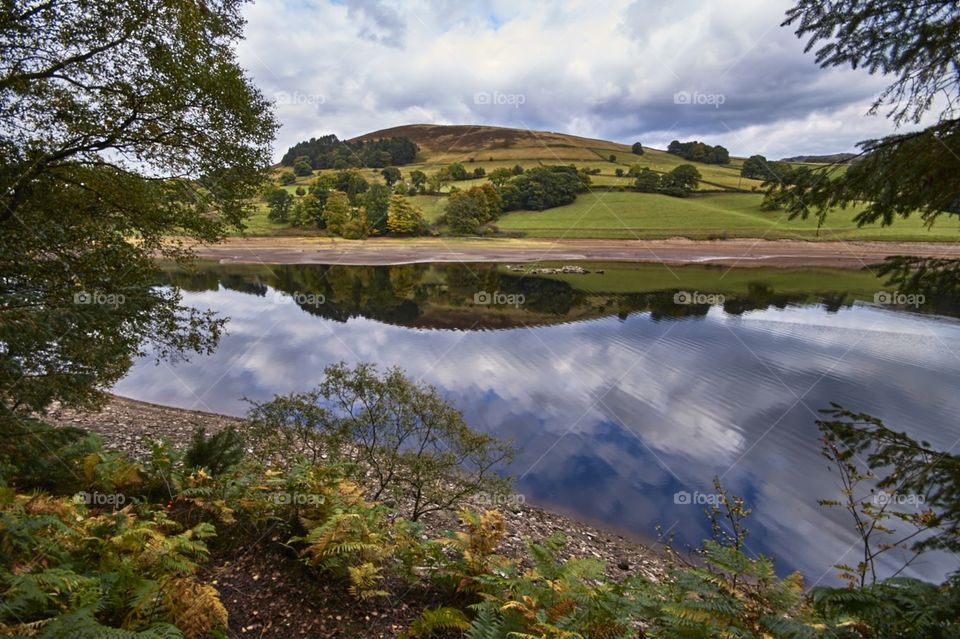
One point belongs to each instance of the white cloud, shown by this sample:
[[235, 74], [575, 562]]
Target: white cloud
[[607, 70]]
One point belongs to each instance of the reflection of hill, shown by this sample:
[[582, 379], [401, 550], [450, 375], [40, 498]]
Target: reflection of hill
[[442, 296]]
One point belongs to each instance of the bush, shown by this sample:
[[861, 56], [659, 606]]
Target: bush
[[403, 438], [549, 186], [467, 211], [215, 454]]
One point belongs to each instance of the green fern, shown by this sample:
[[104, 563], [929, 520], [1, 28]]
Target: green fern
[[433, 620]]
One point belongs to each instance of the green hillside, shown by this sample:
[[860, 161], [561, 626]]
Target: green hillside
[[726, 204]]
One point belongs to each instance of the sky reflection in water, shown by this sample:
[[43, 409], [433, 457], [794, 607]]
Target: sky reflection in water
[[613, 416]]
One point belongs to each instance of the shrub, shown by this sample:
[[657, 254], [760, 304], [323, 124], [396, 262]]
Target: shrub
[[554, 599], [215, 454], [70, 571], [402, 436]]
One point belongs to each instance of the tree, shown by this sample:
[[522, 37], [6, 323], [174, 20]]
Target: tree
[[300, 191], [287, 178], [308, 210], [491, 203], [467, 211], [351, 183], [755, 167], [544, 187], [301, 166], [758, 167], [336, 212], [636, 148], [376, 202], [436, 181], [500, 176], [329, 152], [681, 181], [358, 227], [391, 175], [457, 171], [612, 158], [403, 218], [101, 140], [402, 437], [618, 172], [648, 180], [418, 178], [280, 203], [699, 152], [901, 174], [463, 213], [479, 172]]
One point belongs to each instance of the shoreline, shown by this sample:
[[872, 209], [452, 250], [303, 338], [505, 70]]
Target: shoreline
[[738, 252], [126, 425]]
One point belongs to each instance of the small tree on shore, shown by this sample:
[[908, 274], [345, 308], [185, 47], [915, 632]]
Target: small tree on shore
[[403, 218], [403, 437], [336, 212]]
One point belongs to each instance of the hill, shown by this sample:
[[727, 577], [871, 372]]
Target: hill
[[726, 205], [490, 147]]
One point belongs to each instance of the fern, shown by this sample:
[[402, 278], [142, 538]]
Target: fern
[[363, 581], [432, 620], [195, 608]]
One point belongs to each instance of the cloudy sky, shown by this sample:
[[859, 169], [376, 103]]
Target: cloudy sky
[[723, 71]]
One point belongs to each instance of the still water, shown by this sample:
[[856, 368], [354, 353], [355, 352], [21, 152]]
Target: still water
[[624, 404]]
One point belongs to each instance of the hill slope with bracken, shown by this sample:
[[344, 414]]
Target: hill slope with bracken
[[492, 146]]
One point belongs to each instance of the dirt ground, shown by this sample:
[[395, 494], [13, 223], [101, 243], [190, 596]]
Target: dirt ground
[[735, 252]]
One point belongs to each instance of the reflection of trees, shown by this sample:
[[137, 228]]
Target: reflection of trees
[[937, 280], [442, 295]]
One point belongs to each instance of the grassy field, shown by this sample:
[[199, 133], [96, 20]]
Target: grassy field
[[628, 215]]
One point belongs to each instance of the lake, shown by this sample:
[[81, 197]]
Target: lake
[[626, 391]]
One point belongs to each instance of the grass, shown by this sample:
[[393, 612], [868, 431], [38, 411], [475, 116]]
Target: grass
[[627, 215], [625, 277]]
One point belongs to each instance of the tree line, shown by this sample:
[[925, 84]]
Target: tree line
[[330, 152], [699, 152]]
